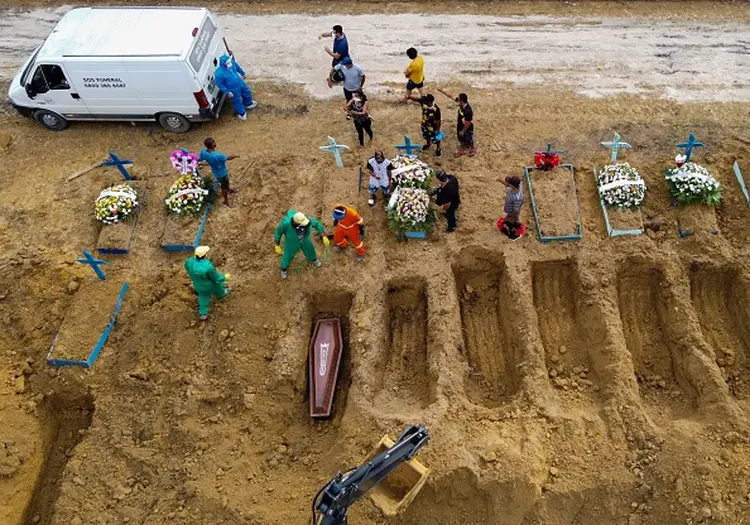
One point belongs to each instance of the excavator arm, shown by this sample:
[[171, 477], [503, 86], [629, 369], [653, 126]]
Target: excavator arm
[[332, 502]]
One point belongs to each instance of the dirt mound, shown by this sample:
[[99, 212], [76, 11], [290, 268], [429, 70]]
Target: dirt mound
[[585, 382]]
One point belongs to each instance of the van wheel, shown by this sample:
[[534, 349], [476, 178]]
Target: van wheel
[[174, 122], [50, 120]]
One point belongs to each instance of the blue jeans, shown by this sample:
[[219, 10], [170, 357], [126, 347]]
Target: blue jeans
[[374, 189], [241, 99]]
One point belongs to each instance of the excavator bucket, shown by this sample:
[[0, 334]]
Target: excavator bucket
[[401, 486]]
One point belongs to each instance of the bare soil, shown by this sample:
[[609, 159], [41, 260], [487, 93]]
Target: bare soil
[[187, 422], [556, 201]]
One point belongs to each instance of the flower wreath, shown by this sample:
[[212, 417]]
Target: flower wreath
[[184, 161]]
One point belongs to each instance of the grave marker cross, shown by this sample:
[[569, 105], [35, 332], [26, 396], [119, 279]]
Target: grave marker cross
[[408, 147], [94, 263], [550, 151], [335, 149], [689, 145], [117, 162], [615, 146]]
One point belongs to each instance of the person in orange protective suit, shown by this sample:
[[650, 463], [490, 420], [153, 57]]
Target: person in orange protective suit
[[349, 228]]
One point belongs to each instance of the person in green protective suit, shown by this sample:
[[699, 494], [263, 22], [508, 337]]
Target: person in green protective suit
[[295, 227], [206, 280]]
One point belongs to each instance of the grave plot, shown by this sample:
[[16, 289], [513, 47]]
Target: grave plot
[[694, 191], [115, 238], [642, 302], [721, 299], [555, 203], [68, 418], [335, 305], [564, 331], [488, 335], [621, 191], [407, 363], [87, 323], [696, 218]]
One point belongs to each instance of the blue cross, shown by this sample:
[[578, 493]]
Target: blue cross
[[336, 150], [614, 146], [550, 151], [118, 163], [689, 145], [94, 263], [407, 146]]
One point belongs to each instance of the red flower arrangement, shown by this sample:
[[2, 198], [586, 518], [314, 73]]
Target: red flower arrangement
[[546, 161]]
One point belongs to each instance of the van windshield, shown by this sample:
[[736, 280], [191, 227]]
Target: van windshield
[[29, 67]]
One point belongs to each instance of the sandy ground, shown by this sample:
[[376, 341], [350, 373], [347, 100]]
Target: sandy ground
[[600, 381], [597, 56]]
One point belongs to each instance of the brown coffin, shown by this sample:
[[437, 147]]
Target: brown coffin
[[325, 350]]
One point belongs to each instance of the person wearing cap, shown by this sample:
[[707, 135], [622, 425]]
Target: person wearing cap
[[230, 79], [354, 78], [380, 170], [340, 44], [295, 228], [207, 282], [511, 224], [447, 197], [465, 124], [350, 227]]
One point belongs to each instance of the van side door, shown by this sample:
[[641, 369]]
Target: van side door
[[49, 87]]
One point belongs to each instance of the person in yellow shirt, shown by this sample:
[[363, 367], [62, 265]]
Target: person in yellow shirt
[[415, 73]]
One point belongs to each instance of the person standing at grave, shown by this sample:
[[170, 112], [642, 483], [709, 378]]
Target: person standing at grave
[[431, 122], [511, 224], [295, 228], [358, 108], [218, 163], [207, 281], [447, 197], [380, 176], [354, 78], [350, 227], [340, 44], [465, 124], [414, 73], [230, 79]]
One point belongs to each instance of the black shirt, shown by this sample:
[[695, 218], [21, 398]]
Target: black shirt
[[448, 194], [430, 116], [467, 114]]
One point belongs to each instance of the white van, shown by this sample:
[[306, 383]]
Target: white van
[[127, 64]]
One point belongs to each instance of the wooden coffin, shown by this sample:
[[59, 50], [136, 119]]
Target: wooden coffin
[[324, 357]]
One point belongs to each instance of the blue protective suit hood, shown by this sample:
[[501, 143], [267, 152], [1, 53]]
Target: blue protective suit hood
[[229, 79]]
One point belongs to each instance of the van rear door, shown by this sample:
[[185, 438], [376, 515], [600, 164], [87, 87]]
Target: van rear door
[[204, 56]]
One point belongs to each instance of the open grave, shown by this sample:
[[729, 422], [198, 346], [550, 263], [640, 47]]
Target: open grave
[[335, 305], [68, 417], [487, 334], [407, 375], [643, 302], [721, 299], [567, 336]]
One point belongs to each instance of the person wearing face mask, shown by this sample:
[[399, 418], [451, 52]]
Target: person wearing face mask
[[359, 110], [296, 230], [230, 79]]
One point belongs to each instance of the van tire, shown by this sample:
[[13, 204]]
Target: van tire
[[174, 122], [50, 120]]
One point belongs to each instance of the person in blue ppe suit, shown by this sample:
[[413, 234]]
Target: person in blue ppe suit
[[230, 79]]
